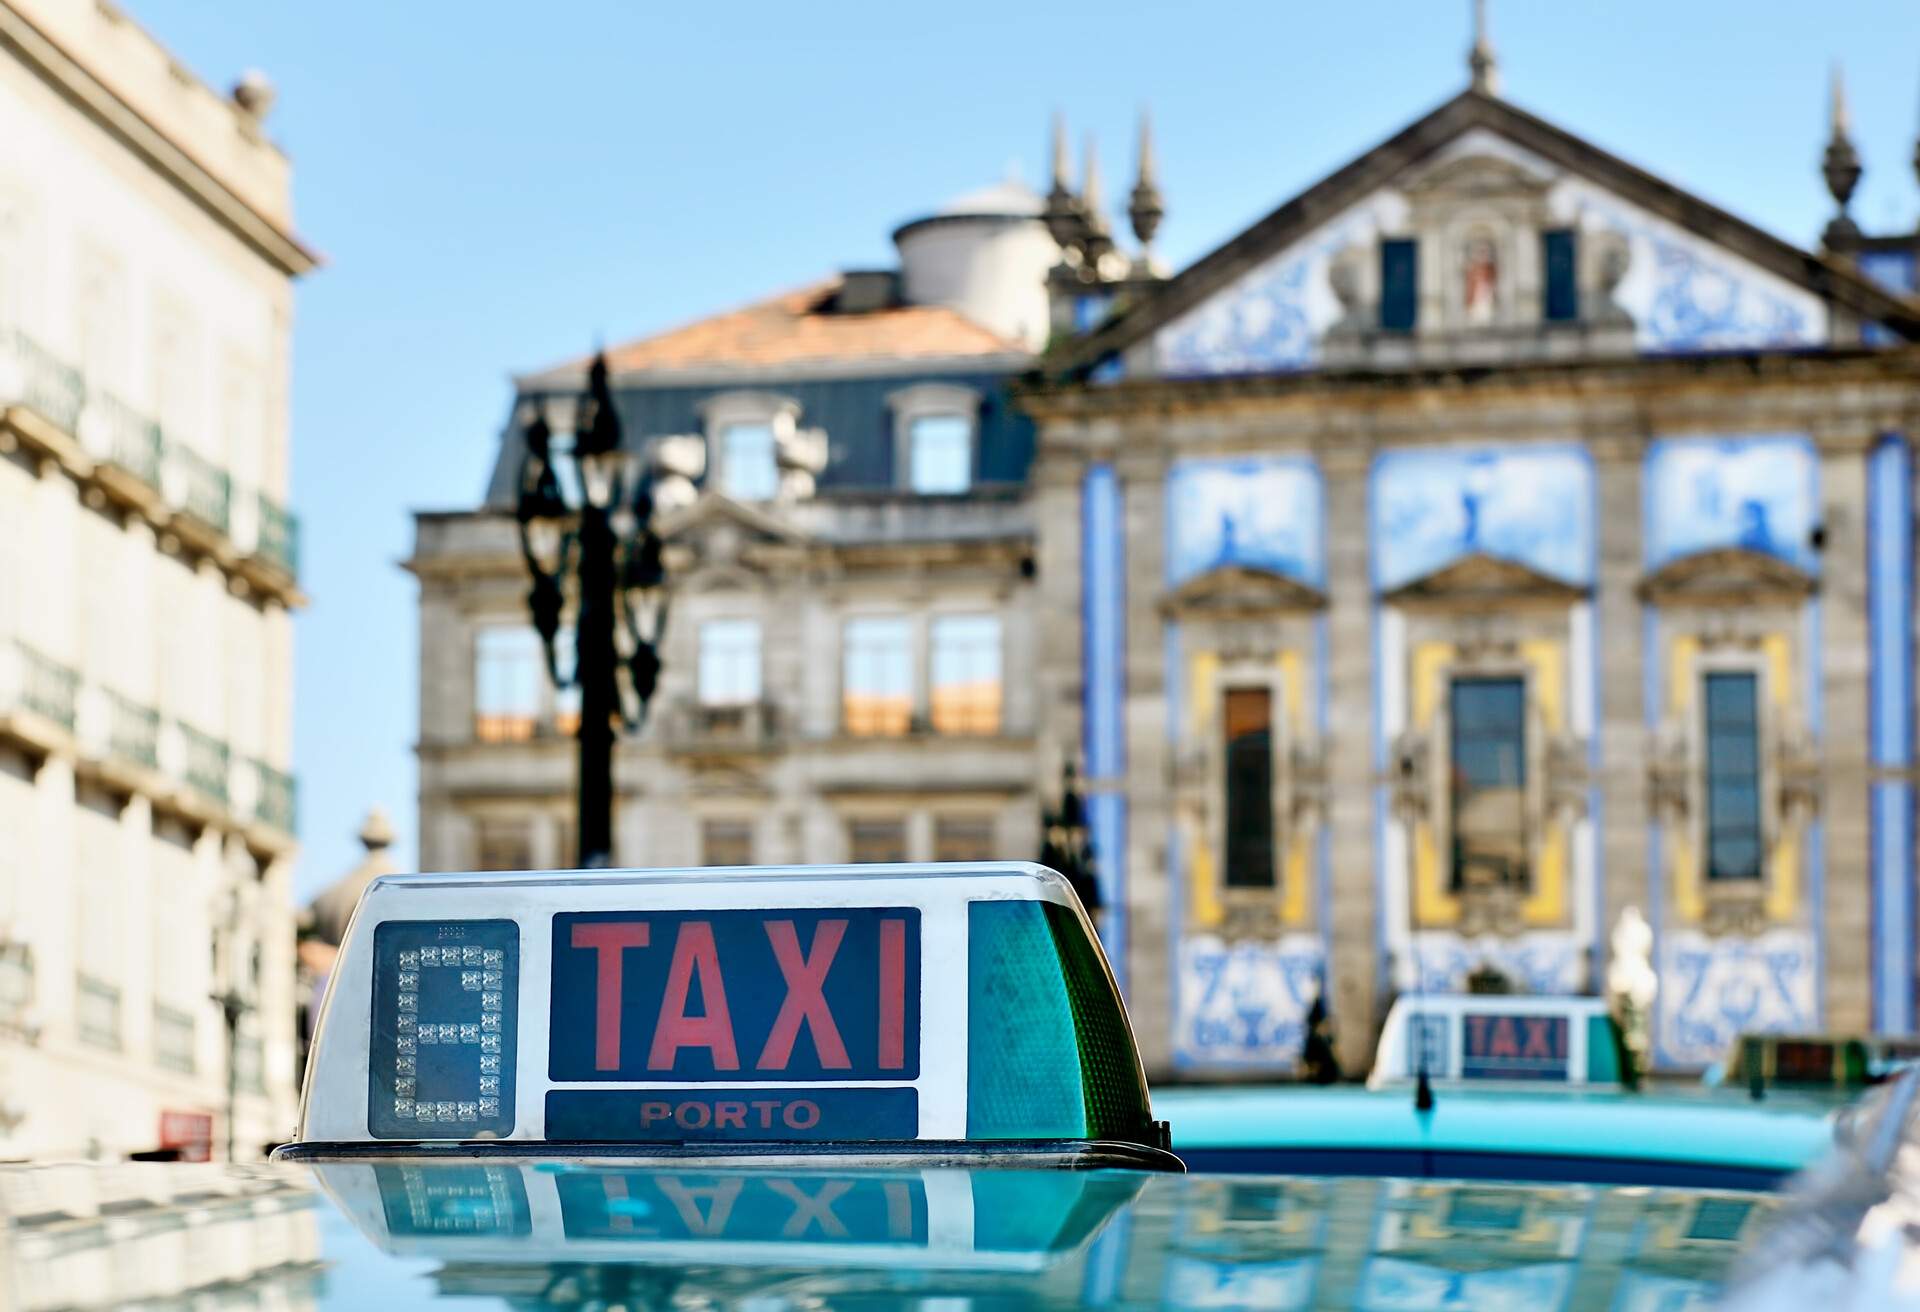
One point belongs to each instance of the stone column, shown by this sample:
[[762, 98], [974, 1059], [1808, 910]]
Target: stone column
[[1844, 659], [1150, 980], [1353, 972], [1624, 746]]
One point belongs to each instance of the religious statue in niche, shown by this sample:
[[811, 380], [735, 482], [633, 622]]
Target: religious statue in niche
[[1480, 281]]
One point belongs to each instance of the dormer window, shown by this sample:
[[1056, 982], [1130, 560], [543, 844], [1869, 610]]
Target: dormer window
[[748, 471], [940, 454], [745, 433], [936, 434]]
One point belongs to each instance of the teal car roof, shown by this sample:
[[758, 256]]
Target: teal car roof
[[404, 1235], [1780, 1134]]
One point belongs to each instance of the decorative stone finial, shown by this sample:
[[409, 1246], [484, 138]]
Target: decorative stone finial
[[1916, 157], [1482, 67], [376, 832], [1840, 164], [1145, 208], [254, 93], [1090, 181], [1062, 213]]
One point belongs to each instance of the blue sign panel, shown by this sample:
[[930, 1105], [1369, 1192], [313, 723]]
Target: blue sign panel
[[708, 1115], [741, 1209], [446, 1002], [734, 996], [1508, 1047], [453, 1200]]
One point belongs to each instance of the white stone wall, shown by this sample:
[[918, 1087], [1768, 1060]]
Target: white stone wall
[[109, 866]]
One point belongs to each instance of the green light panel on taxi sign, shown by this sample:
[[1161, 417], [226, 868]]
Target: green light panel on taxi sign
[[1049, 1052]]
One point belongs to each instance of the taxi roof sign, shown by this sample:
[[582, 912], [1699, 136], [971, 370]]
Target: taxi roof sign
[[1502, 1038], [723, 1010]]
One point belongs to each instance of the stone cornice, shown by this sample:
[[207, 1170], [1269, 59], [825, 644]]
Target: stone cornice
[[98, 102], [1647, 380]]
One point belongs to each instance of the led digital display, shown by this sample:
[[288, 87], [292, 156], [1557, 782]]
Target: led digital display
[[445, 1012]]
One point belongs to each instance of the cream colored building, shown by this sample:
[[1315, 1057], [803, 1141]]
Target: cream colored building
[[147, 572]]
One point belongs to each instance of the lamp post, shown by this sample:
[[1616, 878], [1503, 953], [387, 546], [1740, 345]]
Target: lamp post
[[234, 1006], [608, 542], [1067, 846]]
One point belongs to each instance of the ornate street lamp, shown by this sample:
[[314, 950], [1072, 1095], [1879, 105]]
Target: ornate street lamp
[[609, 544], [1067, 846]]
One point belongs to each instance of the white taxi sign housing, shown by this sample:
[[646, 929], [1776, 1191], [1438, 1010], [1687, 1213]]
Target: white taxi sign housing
[[1481, 1038], [724, 1009]]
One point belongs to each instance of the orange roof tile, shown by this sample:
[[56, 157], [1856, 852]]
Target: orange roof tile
[[792, 328]]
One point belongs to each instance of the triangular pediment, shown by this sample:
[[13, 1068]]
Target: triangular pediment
[[717, 515], [1415, 158], [1475, 175], [1727, 576], [1481, 579], [1233, 590]]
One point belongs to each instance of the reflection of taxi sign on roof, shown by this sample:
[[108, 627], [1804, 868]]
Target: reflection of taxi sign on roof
[[506, 1212], [1478, 1038], [823, 1006]]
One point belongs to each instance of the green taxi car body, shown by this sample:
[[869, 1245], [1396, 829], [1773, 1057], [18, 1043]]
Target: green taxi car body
[[1594, 1136]]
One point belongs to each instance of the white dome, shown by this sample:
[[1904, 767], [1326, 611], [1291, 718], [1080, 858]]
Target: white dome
[[1011, 198]]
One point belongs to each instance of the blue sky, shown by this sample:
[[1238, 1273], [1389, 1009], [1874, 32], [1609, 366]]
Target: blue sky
[[496, 185]]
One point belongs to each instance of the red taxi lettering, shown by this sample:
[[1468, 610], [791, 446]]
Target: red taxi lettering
[[805, 978], [692, 1002], [1539, 1038], [692, 1115], [650, 1112], [686, 1200], [802, 1115], [693, 950], [1505, 1042], [729, 1116], [893, 994], [812, 1209], [608, 941]]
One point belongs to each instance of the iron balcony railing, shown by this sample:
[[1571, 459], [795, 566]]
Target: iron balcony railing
[[207, 761], [32, 376], [47, 686], [133, 731], [209, 488], [133, 440], [279, 535], [275, 797]]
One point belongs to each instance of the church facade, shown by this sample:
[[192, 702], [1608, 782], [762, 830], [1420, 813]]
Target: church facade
[[1492, 538]]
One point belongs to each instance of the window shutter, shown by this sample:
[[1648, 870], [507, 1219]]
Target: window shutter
[[1559, 253], [1399, 284]]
